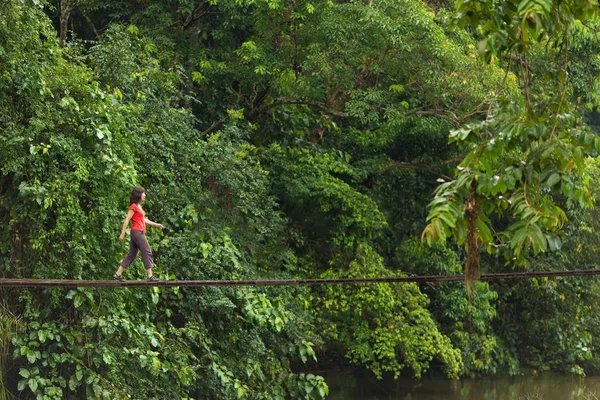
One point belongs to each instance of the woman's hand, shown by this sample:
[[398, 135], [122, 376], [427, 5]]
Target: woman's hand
[[122, 237], [160, 226]]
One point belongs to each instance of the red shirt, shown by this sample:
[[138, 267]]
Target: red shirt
[[138, 222]]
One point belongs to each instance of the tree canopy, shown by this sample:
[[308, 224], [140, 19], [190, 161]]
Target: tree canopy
[[295, 139]]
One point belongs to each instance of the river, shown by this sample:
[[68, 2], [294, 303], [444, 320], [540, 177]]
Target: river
[[545, 386]]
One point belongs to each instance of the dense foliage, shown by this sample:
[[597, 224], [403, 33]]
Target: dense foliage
[[295, 140]]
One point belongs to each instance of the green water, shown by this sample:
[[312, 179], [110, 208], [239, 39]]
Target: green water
[[547, 386]]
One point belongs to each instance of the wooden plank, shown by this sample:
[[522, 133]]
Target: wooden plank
[[6, 282]]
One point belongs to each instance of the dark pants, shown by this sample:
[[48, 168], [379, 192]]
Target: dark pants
[[137, 243]]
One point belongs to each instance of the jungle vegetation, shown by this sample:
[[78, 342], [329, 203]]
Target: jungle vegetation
[[296, 139]]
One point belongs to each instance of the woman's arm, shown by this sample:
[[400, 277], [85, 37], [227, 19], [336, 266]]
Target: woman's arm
[[125, 223], [154, 224]]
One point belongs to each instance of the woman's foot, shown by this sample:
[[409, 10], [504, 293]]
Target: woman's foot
[[119, 278], [152, 278]]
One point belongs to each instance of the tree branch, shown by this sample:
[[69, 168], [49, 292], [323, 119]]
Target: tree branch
[[191, 18], [518, 60], [213, 127], [89, 20]]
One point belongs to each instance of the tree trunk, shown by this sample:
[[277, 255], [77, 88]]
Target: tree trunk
[[472, 267], [65, 12]]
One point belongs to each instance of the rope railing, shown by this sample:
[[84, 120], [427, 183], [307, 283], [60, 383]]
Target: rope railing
[[4, 282]]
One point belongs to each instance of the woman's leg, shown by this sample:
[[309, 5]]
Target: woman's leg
[[133, 251], [145, 250]]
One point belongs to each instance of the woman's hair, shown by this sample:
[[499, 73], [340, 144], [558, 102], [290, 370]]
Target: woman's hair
[[136, 194]]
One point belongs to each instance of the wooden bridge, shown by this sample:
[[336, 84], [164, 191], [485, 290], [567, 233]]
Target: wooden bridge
[[4, 282]]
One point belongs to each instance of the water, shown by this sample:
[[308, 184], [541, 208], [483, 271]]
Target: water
[[546, 386]]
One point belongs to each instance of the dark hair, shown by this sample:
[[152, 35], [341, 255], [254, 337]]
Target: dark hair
[[136, 194]]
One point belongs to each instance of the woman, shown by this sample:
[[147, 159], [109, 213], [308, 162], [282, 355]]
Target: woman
[[137, 234]]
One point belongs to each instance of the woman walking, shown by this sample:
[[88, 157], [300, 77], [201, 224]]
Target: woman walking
[[137, 234]]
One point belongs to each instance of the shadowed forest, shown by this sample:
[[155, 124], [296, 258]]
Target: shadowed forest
[[296, 139]]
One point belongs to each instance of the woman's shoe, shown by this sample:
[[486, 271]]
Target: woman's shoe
[[119, 278], [152, 279]]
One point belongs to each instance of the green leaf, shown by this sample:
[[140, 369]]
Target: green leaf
[[31, 356], [278, 324], [323, 391], [106, 357], [449, 219], [78, 300], [42, 335], [33, 384], [484, 231], [396, 88], [553, 179]]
